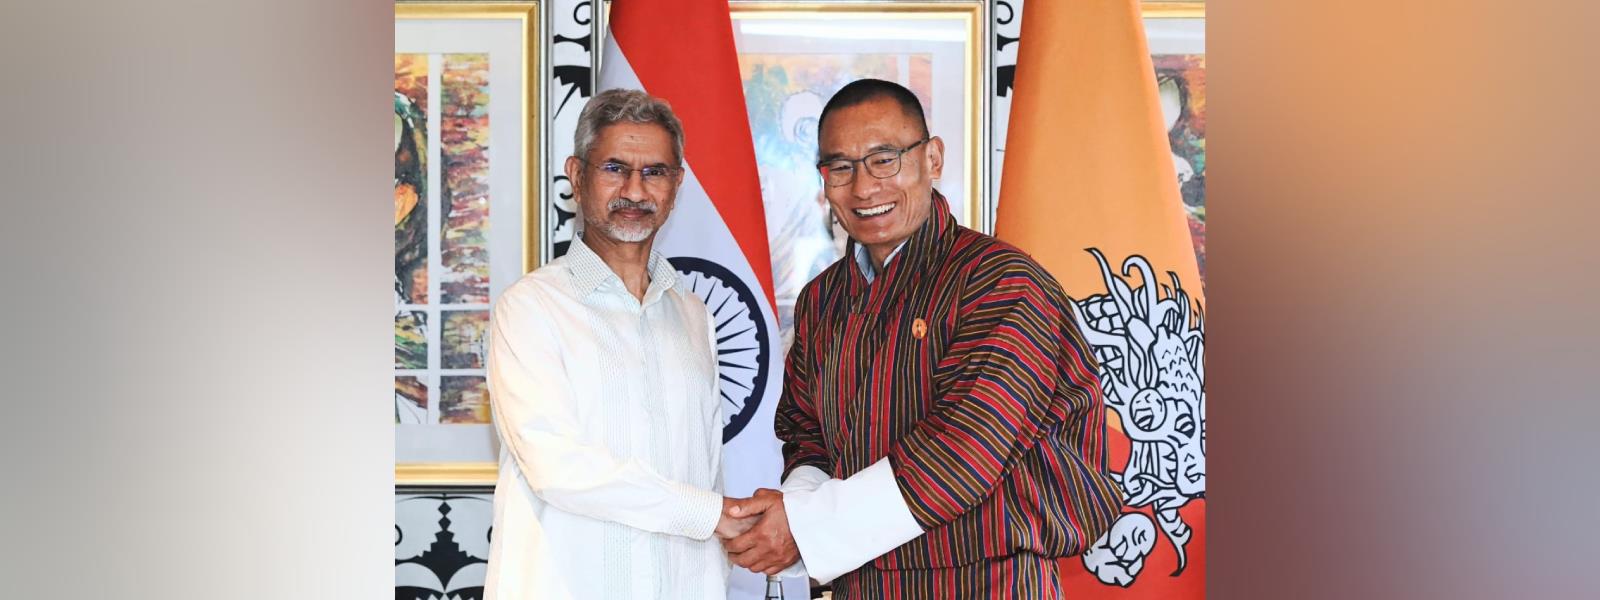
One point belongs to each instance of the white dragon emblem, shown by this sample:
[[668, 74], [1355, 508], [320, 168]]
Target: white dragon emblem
[[1151, 349]]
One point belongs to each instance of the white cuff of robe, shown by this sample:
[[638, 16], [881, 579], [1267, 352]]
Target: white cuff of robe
[[802, 478], [698, 515], [844, 523]]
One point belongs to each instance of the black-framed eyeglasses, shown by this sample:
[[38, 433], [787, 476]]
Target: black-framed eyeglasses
[[882, 164], [615, 173]]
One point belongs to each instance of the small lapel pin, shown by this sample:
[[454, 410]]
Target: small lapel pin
[[919, 329]]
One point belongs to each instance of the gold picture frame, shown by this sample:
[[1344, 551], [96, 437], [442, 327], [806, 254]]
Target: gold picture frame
[[517, 28], [1172, 9]]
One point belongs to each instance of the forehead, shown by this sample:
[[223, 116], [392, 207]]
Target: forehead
[[879, 121], [639, 142]]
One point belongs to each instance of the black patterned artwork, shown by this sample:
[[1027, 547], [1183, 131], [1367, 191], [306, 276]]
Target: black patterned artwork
[[441, 544], [570, 86], [1007, 15]]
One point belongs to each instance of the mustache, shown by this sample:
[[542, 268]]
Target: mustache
[[624, 203]]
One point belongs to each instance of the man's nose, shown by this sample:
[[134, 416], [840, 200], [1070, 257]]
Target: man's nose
[[864, 184], [633, 186]]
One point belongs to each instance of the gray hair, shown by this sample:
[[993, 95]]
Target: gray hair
[[631, 106]]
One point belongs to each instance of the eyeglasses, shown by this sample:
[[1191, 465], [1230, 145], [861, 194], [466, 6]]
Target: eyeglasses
[[882, 164], [617, 174]]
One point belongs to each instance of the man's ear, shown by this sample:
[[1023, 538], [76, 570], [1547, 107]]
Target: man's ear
[[574, 170], [935, 157]]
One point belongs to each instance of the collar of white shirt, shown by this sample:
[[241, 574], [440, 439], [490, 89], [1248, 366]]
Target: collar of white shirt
[[590, 273], [864, 260]]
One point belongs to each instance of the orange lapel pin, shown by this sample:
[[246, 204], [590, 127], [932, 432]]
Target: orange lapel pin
[[919, 329]]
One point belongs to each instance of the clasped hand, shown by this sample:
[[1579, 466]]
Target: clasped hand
[[755, 532]]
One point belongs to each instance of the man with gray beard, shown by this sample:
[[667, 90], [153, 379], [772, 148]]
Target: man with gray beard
[[603, 384]]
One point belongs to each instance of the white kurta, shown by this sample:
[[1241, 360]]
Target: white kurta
[[611, 437]]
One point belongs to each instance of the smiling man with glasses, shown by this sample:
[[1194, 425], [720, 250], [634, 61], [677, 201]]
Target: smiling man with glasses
[[942, 422], [657, 181]]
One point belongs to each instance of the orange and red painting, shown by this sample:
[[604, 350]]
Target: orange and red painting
[[1181, 83]]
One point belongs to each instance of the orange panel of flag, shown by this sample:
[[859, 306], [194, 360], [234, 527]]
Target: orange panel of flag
[[1090, 191]]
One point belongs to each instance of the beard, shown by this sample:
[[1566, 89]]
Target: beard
[[626, 233], [630, 232]]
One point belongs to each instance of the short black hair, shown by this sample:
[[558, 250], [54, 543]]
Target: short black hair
[[862, 90]]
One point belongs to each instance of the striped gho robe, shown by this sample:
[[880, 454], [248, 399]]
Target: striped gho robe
[[962, 363]]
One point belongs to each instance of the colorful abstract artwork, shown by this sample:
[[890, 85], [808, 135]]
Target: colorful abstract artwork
[[469, 157], [411, 178], [784, 95], [464, 136], [410, 340], [410, 400], [1181, 82], [464, 400], [463, 345], [441, 217]]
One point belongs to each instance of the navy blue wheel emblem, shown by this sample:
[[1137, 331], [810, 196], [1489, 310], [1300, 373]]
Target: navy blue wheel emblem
[[742, 338]]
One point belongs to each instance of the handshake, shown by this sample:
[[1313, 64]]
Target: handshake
[[755, 532]]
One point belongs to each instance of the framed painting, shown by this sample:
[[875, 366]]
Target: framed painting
[[466, 141], [1176, 33], [793, 56]]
